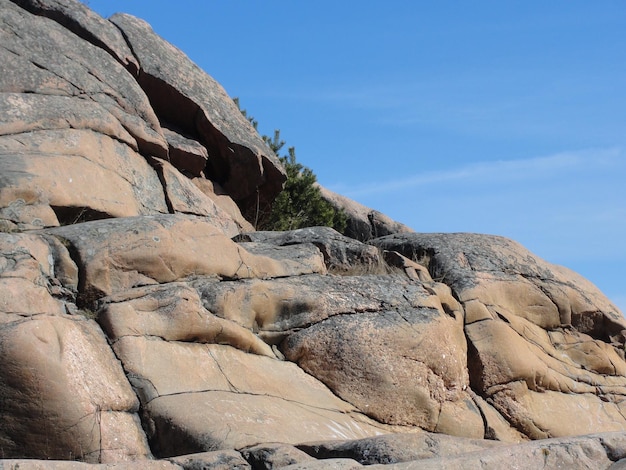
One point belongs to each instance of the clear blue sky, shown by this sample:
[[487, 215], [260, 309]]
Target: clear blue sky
[[496, 117]]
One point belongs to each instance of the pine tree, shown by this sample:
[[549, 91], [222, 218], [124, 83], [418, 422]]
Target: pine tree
[[300, 204]]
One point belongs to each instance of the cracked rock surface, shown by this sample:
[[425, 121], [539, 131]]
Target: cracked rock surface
[[145, 324]]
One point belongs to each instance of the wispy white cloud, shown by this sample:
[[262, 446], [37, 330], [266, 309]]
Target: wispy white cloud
[[499, 172]]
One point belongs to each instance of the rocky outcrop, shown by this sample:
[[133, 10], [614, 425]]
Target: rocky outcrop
[[363, 223], [145, 324]]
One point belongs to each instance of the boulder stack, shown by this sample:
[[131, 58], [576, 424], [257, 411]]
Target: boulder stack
[[144, 323]]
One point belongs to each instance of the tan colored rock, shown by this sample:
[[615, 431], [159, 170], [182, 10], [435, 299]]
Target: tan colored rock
[[217, 460], [577, 453], [46, 58], [420, 381], [342, 255], [277, 306], [544, 342], [186, 198], [119, 254], [224, 201], [33, 276], [173, 312], [200, 397], [392, 448], [30, 464], [79, 174], [185, 96], [188, 155], [78, 18], [64, 394]]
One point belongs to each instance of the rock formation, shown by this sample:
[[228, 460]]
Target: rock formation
[[144, 323]]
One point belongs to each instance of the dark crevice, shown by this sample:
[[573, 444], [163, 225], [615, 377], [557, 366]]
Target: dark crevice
[[68, 215]]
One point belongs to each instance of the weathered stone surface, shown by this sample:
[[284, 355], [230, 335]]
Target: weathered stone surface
[[274, 455], [64, 395], [394, 448], [182, 196], [363, 223], [119, 254], [460, 334], [420, 381], [27, 273], [79, 174], [291, 303], [30, 464], [217, 460], [188, 155], [78, 18], [185, 96], [223, 201], [187, 389], [41, 56], [173, 312], [336, 464], [543, 342], [577, 453], [341, 254]]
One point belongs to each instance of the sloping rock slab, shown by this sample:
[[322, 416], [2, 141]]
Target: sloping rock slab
[[217, 460], [78, 18], [64, 395], [363, 223], [41, 56], [203, 397], [185, 96]]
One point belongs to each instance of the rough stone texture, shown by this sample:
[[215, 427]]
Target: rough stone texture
[[363, 223], [187, 388], [191, 100], [23, 464], [274, 455], [341, 254], [223, 201], [542, 340], [154, 333], [577, 453], [78, 18], [186, 154], [64, 395], [394, 448], [182, 196], [58, 170], [41, 56], [118, 254], [217, 460], [173, 312]]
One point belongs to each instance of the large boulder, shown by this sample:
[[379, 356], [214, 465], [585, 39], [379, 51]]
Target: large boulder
[[542, 341]]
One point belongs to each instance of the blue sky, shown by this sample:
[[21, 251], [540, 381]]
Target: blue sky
[[498, 117]]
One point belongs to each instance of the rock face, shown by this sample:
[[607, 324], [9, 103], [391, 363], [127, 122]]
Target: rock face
[[144, 323]]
